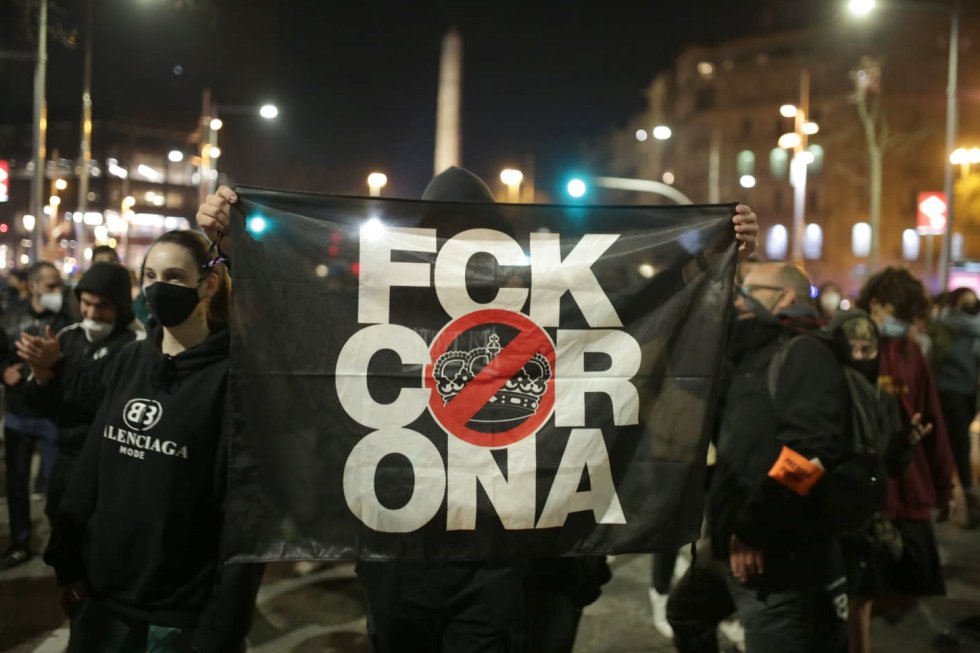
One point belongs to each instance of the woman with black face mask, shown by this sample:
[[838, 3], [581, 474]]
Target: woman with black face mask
[[136, 544], [956, 364]]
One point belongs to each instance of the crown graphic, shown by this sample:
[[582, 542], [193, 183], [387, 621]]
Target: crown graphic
[[519, 397]]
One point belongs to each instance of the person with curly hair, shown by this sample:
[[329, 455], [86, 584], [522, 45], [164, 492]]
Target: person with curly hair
[[895, 299]]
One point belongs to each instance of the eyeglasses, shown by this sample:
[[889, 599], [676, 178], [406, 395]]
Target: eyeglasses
[[747, 289], [215, 256]]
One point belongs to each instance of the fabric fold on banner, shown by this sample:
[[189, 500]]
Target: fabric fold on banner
[[459, 381]]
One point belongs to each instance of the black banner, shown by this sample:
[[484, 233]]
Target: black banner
[[437, 380]]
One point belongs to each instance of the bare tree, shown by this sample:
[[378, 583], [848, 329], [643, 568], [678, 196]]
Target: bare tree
[[878, 137]]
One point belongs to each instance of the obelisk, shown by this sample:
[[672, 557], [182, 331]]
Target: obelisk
[[448, 119]]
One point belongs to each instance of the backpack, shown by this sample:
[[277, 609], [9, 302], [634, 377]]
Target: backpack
[[853, 492]]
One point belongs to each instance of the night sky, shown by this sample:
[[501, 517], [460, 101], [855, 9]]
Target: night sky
[[356, 82]]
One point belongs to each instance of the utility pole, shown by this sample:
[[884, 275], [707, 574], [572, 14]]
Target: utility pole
[[85, 149], [40, 131], [954, 45]]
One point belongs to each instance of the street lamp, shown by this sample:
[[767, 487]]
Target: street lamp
[[512, 179], [211, 124], [965, 158], [864, 7], [376, 181], [796, 141]]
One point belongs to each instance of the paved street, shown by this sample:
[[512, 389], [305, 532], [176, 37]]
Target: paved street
[[323, 610]]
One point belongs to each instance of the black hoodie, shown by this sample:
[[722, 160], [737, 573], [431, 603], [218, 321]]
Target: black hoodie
[[75, 393], [141, 523]]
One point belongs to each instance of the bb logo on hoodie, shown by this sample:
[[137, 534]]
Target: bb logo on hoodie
[[142, 414]]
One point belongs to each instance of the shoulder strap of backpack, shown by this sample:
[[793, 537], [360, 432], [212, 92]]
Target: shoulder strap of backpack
[[776, 364]]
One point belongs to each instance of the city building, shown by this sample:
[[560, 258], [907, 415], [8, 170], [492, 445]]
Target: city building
[[722, 105], [144, 180]]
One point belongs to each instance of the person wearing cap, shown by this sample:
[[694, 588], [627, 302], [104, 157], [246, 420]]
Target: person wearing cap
[[65, 383]]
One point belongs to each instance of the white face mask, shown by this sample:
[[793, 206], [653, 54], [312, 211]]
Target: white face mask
[[52, 301], [95, 331], [830, 302]]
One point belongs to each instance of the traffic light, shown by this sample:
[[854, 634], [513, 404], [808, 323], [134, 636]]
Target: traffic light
[[4, 180], [576, 187]]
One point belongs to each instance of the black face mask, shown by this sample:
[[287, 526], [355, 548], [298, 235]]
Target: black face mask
[[171, 304], [971, 309], [868, 368]]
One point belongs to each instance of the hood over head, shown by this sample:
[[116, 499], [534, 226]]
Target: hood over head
[[457, 185], [112, 282]]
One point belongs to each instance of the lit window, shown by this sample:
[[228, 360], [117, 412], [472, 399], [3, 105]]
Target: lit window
[[777, 241], [745, 163], [816, 164], [812, 241], [910, 245], [861, 239], [778, 163]]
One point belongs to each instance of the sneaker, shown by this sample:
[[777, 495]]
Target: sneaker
[[732, 630], [14, 557], [658, 602]]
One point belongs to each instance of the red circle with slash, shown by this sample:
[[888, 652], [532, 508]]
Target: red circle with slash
[[454, 415]]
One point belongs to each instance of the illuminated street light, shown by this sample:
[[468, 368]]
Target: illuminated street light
[[376, 181], [746, 181], [208, 136], [789, 141], [864, 7], [641, 135], [29, 222], [512, 179], [861, 7], [61, 184], [662, 132], [796, 141], [54, 200], [175, 156]]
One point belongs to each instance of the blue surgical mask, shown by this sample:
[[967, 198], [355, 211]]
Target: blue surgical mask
[[894, 327]]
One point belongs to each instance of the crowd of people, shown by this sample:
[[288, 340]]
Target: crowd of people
[[840, 436]]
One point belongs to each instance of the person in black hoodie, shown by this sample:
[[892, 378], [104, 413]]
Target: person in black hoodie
[[475, 605], [774, 445], [66, 370], [24, 429], [136, 544]]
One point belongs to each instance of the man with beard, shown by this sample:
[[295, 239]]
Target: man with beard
[[25, 429], [66, 383], [774, 446]]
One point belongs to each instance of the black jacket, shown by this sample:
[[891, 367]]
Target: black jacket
[[142, 520], [24, 319], [73, 397], [807, 415]]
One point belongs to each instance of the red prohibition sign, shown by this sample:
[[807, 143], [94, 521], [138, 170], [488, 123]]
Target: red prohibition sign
[[454, 416]]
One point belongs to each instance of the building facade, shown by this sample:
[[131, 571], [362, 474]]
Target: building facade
[[722, 104]]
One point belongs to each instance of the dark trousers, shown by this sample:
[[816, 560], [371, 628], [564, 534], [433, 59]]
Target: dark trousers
[[19, 445], [416, 607], [698, 602], [552, 622], [662, 572], [959, 410], [809, 621], [94, 629]]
